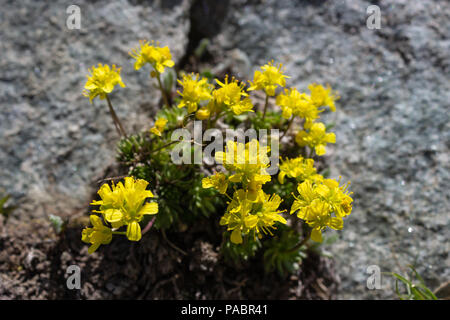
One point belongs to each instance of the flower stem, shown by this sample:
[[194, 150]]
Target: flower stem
[[265, 106], [288, 127], [301, 243], [165, 146], [163, 92], [116, 120], [148, 226], [184, 253]]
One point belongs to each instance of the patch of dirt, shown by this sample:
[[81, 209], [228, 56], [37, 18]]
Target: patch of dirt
[[33, 266]]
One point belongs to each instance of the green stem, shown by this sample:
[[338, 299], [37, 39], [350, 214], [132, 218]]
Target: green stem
[[165, 146], [265, 106], [301, 243], [119, 232], [116, 120], [163, 92], [218, 115], [163, 232], [288, 127]]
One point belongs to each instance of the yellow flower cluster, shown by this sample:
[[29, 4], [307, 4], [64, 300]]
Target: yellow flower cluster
[[316, 203], [217, 181], [201, 97], [195, 91], [229, 95], [120, 205], [101, 81], [316, 137], [97, 235], [321, 96], [158, 57], [244, 215], [298, 168], [160, 125], [269, 79], [306, 106], [296, 104], [250, 210], [292, 102], [320, 202], [248, 163]]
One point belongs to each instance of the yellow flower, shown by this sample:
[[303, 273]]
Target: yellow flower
[[323, 97], [319, 217], [203, 113], [217, 181], [248, 162], [267, 213], [298, 104], [316, 138], [316, 203], [135, 207], [229, 95], [101, 81], [269, 79], [158, 57], [159, 126], [194, 92], [243, 106], [244, 216], [112, 198], [125, 204], [337, 196], [298, 168], [97, 235], [307, 194]]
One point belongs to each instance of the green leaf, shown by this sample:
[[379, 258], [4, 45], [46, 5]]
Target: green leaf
[[57, 223]]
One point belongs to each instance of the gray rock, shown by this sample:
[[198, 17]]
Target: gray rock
[[54, 143], [392, 123]]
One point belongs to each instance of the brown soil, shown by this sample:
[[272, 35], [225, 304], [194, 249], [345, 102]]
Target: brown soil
[[33, 263]]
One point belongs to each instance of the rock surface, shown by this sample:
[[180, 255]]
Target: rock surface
[[392, 124], [54, 144]]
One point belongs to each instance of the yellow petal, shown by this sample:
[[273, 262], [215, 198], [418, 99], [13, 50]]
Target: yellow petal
[[134, 231], [295, 206], [236, 236], [96, 221], [207, 183], [235, 177], [336, 223], [316, 235], [330, 137], [113, 215], [86, 234], [223, 187], [281, 176], [149, 208], [93, 248], [251, 221], [169, 63], [320, 150]]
